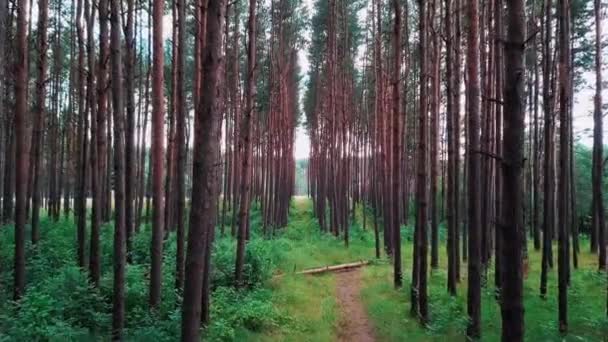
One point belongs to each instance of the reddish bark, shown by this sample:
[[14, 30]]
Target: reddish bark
[[205, 177], [21, 148], [250, 96], [156, 249]]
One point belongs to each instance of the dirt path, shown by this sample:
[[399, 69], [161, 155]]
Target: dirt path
[[354, 325]]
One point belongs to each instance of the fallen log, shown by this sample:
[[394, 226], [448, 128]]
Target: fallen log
[[334, 268]]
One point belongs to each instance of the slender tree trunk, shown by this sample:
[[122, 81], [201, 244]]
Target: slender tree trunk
[[40, 110], [21, 148], [98, 195], [564, 222], [434, 135], [158, 136], [246, 143], [5, 117], [536, 162], [498, 110], [512, 224], [422, 177], [170, 151], [548, 173], [95, 188], [474, 229], [181, 144], [205, 176], [452, 136], [396, 125], [120, 234], [83, 142], [598, 158], [129, 143]]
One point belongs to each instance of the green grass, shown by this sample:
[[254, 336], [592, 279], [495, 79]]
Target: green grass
[[309, 301], [310, 248], [279, 305], [389, 308]]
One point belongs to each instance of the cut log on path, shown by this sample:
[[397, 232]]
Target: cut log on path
[[334, 268]]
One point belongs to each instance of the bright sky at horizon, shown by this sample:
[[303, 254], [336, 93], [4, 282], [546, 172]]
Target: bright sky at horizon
[[302, 143]]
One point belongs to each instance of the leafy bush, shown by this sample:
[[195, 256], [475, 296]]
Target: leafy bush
[[60, 304], [64, 307], [140, 242], [232, 308], [261, 257]]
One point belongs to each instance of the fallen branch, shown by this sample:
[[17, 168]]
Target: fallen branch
[[335, 268]]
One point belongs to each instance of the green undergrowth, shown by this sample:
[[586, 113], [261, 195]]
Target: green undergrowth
[[305, 298], [60, 304], [309, 301], [277, 304], [389, 309], [309, 247]]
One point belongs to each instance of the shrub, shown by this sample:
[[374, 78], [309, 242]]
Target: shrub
[[64, 307], [232, 309], [261, 258]]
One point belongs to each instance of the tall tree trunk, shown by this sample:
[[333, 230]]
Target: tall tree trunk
[[474, 229], [250, 96], [564, 165], [512, 223], [156, 249], [548, 172], [100, 130], [434, 73], [39, 109], [422, 177], [498, 110], [95, 188], [21, 148], [452, 136], [4, 89], [170, 151], [205, 176], [537, 149], [83, 142], [181, 144], [396, 187], [457, 125], [120, 234], [598, 158], [130, 152]]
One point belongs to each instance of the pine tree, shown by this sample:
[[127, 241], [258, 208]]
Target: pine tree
[[156, 249], [511, 224], [205, 180]]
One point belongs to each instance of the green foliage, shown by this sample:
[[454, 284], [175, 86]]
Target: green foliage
[[583, 161], [261, 257], [448, 314], [252, 310], [61, 305]]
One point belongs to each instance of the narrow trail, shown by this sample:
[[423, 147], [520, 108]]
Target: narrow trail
[[354, 325]]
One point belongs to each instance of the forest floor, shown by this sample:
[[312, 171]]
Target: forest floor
[[363, 305], [278, 304], [354, 323]]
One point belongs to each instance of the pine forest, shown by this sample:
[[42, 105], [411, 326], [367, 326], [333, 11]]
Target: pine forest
[[303, 170]]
